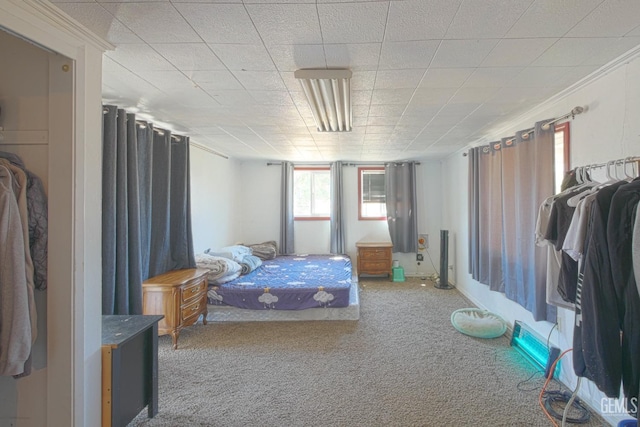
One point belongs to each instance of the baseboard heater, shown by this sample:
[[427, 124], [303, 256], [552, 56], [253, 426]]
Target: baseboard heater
[[526, 341]]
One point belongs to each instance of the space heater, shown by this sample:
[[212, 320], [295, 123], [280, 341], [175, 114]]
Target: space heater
[[527, 342], [443, 281]]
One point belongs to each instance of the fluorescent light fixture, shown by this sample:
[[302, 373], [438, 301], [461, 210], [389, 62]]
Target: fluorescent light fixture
[[531, 345], [329, 96]]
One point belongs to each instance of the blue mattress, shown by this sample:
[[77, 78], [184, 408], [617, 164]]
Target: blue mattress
[[289, 282]]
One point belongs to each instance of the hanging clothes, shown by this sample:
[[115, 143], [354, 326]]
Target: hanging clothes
[[37, 206], [15, 319]]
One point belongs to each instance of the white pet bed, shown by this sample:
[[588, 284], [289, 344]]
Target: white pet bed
[[478, 323]]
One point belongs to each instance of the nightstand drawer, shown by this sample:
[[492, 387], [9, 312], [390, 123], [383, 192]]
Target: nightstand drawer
[[192, 292], [375, 253], [375, 267], [193, 310]]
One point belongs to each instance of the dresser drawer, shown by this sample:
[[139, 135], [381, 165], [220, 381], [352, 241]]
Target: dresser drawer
[[374, 267], [375, 253], [193, 291], [192, 311]]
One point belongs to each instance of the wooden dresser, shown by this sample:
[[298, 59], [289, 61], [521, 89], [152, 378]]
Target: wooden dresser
[[179, 295], [374, 258]]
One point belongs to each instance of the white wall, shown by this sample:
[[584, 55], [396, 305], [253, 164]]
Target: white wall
[[259, 213], [609, 130], [215, 191]]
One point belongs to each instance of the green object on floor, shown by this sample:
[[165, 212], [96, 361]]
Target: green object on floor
[[398, 274]]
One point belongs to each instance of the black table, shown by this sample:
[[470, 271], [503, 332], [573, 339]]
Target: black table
[[129, 367]]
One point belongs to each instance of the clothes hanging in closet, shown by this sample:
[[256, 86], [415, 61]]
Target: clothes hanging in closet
[[23, 257], [15, 318]]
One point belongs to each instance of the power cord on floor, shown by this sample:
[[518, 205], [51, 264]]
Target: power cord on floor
[[546, 399]]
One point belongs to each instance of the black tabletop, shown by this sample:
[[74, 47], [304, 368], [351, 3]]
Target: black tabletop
[[117, 329]]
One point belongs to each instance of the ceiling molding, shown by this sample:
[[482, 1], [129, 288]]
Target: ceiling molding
[[21, 14], [536, 112]]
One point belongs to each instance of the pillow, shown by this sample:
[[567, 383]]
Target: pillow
[[237, 251], [264, 250], [478, 323]]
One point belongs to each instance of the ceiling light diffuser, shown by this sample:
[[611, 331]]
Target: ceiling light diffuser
[[329, 96]]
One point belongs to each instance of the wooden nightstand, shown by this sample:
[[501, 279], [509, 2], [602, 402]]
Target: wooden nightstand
[[179, 295], [374, 257]]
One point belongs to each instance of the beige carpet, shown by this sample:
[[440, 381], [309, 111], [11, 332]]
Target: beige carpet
[[401, 364]]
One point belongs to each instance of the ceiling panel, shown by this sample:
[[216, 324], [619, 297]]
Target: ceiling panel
[[428, 77]]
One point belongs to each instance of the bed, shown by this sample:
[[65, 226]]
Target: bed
[[289, 287]]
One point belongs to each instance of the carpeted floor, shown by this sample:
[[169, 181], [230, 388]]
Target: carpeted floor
[[401, 364]]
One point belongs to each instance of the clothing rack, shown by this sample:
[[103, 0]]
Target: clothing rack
[[627, 160]]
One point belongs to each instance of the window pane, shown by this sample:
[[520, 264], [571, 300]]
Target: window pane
[[559, 159], [321, 193], [373, 187], [372, 194], [301, 193]]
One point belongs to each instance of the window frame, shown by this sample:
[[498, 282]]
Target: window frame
[[312, 218], [360, 172]]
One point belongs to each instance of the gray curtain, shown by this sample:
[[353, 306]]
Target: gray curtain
[[400, 189], [337, 223], [508, 180], [146, 214], [527, 180], [286, 209]]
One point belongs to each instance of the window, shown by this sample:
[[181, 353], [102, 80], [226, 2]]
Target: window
[[311, 193], [561, 154], [371, 194]]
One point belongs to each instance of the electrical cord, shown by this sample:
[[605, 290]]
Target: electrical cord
[[432, 264], [556, 396]]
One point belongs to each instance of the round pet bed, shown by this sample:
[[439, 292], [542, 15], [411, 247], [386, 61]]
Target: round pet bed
[[478, 323]]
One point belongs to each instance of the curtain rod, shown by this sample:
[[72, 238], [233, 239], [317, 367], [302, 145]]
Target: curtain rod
[[525, 133], [343, 164], [205, 148]]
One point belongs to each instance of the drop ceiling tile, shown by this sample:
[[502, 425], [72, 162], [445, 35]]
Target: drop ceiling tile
[[238, 57], [613, 18], [517, 52], [613, 50], [363, 80], [355, 56], [491, 20], [294, 57], [100, 21], [492, 76], [160, 23], [353, 22], [405, 55], [459, 110], [382, 121], [167, 79], [445, 77], [462, 53], [232, 97], [391, 96], [540, 77], [189, 56], [260, 80], [393, 79], [361, 97], [286, 23], [220, 23], [551, 18], [386, 110], [136, 57], [428, 96], [360, 111], [585, 51], [216, 80], [419, 20], [272, 97], [634, 33]]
